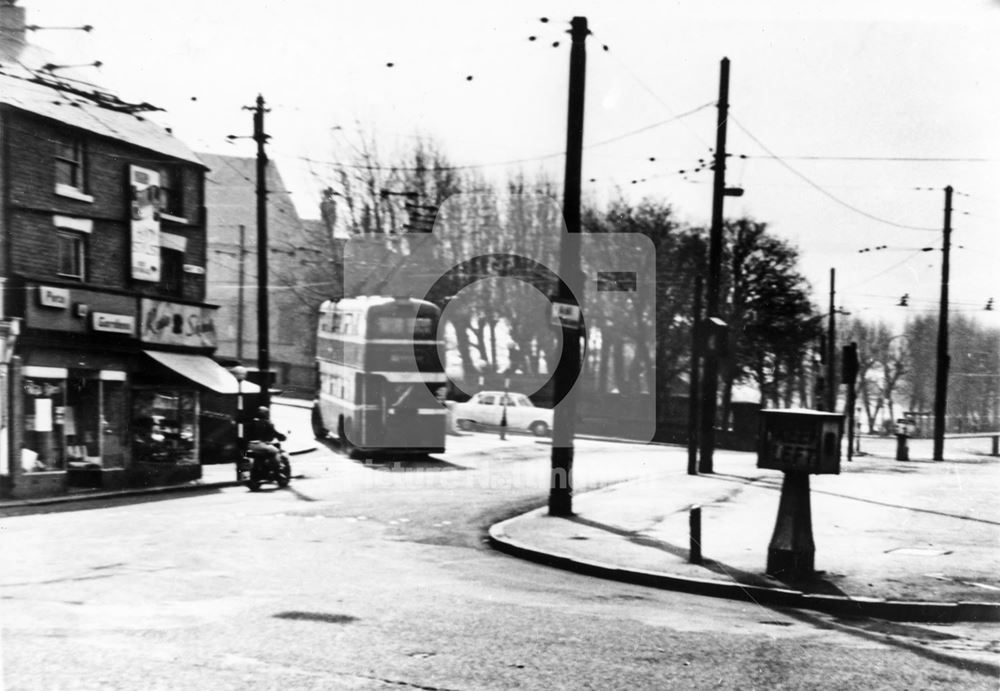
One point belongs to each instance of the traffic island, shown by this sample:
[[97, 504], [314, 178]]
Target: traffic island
[[914, 546]]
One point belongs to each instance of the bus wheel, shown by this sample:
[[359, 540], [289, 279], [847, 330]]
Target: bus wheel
[[345, 444], [539, 429], [319, 431]]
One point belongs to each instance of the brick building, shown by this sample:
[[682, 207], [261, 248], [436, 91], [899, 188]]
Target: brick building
[[302, 270], [102, 270]]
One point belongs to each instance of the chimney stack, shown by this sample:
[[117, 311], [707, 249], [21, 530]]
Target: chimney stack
[[12, 40]]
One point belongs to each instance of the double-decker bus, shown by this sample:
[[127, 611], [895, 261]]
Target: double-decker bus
[[381, 385]]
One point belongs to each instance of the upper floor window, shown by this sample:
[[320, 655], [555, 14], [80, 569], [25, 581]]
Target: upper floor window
[[171, 271], [71, 155], [171, 199], [72, 252]]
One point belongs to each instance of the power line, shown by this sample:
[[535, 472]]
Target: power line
[[885, 271], [886, 159], [823, 191], [675, 118], [531, 159]]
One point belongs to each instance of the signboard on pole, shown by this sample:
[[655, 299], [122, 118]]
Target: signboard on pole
[[566, 315]]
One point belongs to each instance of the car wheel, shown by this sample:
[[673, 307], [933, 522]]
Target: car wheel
[[466, 425], [539, 428]]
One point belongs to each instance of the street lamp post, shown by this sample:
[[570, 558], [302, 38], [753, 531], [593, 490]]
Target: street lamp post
[[503, 415], [240, 372]]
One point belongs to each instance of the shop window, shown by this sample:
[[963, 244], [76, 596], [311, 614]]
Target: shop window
[[44, 420], [70, 161], [72, 254], [164, 426], [93, 421]]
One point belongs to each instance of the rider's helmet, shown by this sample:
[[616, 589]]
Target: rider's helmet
[[263, 412]]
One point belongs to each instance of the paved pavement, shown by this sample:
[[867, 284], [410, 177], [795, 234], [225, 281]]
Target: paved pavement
[[914, 540], [213, 475]]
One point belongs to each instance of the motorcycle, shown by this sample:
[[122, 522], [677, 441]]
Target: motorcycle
[[257, 467]]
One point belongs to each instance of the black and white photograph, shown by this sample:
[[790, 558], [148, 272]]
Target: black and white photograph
[[459, 346]]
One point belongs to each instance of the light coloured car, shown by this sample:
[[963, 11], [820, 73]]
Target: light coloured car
[[486, 409]]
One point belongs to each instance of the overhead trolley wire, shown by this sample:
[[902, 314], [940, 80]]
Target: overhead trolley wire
[[822, 190]]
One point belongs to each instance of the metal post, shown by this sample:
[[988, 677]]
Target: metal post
[[710, 372], [561, 478], [694, 535], [503, 415], [694, 384], [791, 553], [240, 439], [857, 450], [240, 372], [943, 359]]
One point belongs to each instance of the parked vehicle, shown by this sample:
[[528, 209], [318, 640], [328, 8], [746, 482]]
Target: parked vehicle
[[258, 466], [486, 410]]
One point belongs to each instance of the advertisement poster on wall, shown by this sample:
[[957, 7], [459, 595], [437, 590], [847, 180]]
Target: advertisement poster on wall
[[171, 323], [145, 219]]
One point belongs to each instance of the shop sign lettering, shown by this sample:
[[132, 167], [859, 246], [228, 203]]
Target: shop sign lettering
[[53, 297], [40, 388], [171, 323], [113, 323]]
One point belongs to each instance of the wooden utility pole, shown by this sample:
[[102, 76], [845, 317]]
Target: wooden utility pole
[[831, 347], [568, 368], [239, 296], [263, 320], [710, 372], [943, 358]]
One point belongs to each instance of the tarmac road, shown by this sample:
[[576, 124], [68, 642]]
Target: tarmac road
[[378, 576]]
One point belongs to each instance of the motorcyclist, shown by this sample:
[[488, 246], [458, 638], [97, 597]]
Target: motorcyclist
[[260, 433]]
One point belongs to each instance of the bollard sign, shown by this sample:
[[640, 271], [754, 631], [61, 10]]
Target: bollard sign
[[806, 441]]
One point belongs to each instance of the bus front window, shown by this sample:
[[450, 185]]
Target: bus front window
[[419, 328]]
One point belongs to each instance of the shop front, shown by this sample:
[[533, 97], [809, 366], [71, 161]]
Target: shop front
[[95, 405], [74, 431]]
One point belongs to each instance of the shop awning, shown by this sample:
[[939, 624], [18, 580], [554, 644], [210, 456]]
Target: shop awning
[[202, 371]]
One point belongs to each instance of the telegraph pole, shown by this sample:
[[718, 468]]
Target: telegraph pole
[[943, 358], [239, 297], [263, 325], [568, 368], [710, 372], [831, 348]]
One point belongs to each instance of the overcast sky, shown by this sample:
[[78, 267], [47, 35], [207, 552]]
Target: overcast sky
[[833, 109]]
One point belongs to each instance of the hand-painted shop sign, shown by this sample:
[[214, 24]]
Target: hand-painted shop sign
[[113, 323], [53, 297], [171, 323]]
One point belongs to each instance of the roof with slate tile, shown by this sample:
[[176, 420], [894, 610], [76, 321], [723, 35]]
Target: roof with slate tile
[[90, 108]]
